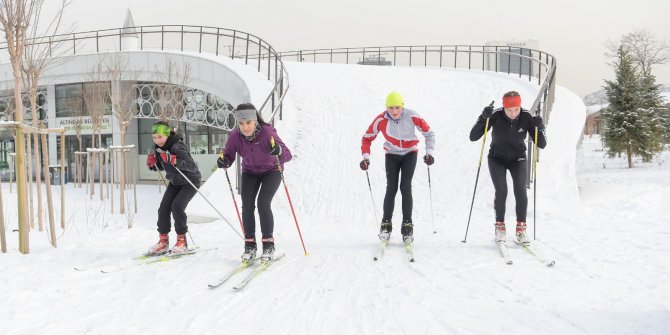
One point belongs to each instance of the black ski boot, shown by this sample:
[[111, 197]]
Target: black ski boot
[[249, 250], [407, 231], [385, 230], [268, 249]]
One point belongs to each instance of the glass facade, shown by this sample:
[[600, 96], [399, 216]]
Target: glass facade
[[71, 99]]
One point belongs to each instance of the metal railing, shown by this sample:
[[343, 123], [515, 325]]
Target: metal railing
[[528, 63], [244, 47]]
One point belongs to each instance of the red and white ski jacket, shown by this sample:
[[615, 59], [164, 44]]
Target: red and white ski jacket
[[399, 134]]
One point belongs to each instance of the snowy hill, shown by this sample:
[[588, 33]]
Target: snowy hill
[[604, 282]]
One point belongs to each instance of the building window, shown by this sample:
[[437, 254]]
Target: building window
[[71, 99]]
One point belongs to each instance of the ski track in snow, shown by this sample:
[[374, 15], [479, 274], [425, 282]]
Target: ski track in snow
[[608, 234]]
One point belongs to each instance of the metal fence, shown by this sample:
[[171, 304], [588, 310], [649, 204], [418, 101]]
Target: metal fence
[[535, 65], [244, 47]]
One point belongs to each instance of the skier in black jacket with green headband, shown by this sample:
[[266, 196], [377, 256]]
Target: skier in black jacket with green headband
[[510, 126], [171, 153]]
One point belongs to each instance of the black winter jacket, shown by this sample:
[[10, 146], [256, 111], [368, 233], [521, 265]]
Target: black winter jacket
[[185, 163], [509, 135]]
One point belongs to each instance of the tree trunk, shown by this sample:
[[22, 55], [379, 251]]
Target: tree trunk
[[62, 180], [21, 186], [29, 158], [629, 152], [3, 238], [36, 152], [122, 187], [47, 181], [38, 179]]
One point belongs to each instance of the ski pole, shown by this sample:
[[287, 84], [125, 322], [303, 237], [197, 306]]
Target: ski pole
[[281, 173], [232, 194], [481, 154], [204, 197], [374, 209], [160, 175], [535, 183], [430, 191]]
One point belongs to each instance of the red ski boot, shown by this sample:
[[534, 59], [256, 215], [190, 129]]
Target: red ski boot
[[161, 247], [181, 246]]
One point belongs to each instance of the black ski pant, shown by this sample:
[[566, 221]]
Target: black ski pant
[[519, 171], [395, 164], [175, 199], [264, 186]]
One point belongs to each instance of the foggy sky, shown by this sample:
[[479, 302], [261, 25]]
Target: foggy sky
[[573, 31]]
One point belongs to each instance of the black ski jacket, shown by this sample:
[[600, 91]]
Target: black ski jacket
[[509, 135], [175, 146]]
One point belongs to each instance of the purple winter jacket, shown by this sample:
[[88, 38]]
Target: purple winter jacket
[[256, 157]]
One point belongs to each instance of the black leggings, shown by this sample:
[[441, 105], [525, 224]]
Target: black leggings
[[394, 164], [267, 184], [519, 171], [175, 199]]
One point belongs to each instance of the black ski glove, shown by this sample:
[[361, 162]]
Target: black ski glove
[[275, 150], [364, 164], [487, 112], [428, 159], [223, 162], [537, 122]]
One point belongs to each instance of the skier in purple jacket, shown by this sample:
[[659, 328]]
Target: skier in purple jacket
[[261, 149]]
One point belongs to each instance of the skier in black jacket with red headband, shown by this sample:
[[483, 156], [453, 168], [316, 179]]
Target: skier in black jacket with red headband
[[510, 125]]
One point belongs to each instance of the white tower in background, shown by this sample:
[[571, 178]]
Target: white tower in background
[[130, 39]]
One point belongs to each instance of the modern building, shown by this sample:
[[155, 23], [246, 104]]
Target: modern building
[[514, 62], [181, 73]]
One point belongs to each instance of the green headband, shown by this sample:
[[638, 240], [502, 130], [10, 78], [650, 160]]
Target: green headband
[[160, 129]]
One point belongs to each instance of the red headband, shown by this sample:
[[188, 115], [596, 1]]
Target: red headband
[[510, 102]]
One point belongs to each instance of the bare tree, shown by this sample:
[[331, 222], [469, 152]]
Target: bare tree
[[643, 46], [96, 97], [41, 52], [75, 106], [123, 97], [646, 49], [171, 85], [14, 22]]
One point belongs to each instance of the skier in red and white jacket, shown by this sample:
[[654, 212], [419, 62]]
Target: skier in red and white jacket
[[397, 124]]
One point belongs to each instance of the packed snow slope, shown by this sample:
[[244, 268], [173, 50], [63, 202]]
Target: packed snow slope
[[610, 252]]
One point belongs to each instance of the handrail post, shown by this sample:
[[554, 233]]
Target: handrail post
[[259, 54], [246, 54], [455, 55], [509, 59], [425, 56], [182, 38], [232, 51], [470, 57], [440, 55], [395, 52], [200, 46], [218, 36]]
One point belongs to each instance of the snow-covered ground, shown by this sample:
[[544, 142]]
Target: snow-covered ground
[[607, 235]]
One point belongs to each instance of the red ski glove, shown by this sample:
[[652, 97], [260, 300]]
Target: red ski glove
[[167, 157], [151, 162]]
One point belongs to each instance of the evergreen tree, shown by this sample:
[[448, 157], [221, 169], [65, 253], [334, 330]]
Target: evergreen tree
[[630, 125]]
